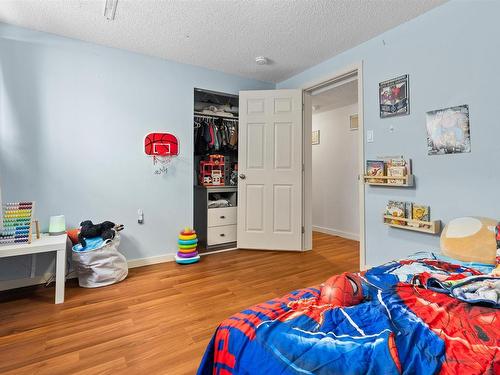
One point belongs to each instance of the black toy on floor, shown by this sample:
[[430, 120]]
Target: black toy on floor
[[106, 230]]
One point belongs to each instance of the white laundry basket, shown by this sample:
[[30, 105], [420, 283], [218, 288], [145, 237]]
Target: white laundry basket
[[99, 263]]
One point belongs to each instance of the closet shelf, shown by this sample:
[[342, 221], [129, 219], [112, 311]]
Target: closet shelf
[[217, 116], [218, 188], [430, 227], [408, 180]]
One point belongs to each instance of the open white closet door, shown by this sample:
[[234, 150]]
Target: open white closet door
[[270, 170]]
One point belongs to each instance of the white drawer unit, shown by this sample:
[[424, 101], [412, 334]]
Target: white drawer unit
[[221, 216], [222, 234], [216, 227]]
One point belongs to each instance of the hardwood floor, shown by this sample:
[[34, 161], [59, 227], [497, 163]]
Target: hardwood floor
[[159, 320]]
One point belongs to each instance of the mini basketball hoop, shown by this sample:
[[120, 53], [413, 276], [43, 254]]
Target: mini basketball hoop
[[163, 147]]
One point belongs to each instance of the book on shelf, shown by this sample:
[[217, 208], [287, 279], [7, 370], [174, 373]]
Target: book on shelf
[[375, 168], [408, 210], [397, 168], [421, 213], [396, 209]]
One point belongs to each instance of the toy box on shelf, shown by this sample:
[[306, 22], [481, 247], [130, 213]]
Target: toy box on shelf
[[212, 171]]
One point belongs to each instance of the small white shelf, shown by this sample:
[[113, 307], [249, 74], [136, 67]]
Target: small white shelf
[[407, 181]]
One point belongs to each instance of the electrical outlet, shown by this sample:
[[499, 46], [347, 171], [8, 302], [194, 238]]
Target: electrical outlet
[[369, 136]]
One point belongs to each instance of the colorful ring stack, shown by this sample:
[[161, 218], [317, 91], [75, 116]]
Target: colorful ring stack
[[187, 242]]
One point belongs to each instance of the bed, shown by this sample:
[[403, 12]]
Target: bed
[[401, 326]]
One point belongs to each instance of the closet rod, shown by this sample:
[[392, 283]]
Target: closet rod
[[201, 114]]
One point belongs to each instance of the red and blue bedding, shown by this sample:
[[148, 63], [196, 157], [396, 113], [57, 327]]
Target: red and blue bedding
[[400, 327]]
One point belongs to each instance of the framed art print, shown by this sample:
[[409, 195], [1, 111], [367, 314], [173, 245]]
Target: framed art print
[[315, 137], [394, 97], [353, 122], [448, 130]]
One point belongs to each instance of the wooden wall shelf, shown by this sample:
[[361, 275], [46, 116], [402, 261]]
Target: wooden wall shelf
[[407, 181], [431, 227]]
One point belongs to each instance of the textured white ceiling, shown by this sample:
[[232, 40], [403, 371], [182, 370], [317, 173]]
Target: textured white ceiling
[[224, 35], [337, 97]]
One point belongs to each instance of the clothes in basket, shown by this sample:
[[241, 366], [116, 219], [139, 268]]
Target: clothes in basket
[[99, 263]]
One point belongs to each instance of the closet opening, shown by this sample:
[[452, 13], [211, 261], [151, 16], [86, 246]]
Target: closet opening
[[215, 129]]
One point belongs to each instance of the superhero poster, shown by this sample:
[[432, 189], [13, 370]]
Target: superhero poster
[[394, 97]]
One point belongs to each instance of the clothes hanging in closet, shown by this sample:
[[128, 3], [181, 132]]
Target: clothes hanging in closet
[[233, 140], [214, 134]]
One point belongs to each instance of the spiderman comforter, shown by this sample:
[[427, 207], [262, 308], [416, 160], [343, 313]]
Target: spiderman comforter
[[400, 327]]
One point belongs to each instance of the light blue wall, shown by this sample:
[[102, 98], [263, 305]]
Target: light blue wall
[[452, 55], [73, 116]]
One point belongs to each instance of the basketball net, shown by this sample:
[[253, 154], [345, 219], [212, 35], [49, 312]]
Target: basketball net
[[161, 164]]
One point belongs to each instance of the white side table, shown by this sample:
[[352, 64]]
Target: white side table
[[44, 245]]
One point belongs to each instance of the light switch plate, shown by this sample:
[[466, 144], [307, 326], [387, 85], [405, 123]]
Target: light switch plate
[[369, 136]]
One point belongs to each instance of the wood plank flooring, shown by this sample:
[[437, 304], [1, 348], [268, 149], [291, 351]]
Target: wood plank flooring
[[159, 320]]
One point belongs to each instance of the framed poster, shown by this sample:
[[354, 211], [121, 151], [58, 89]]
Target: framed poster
[[353, 122], [315, 137], [394, 97], [448, 130]]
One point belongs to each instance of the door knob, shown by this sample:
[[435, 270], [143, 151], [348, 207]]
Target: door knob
[[242, 176]]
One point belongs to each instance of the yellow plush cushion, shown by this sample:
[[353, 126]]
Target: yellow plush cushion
[[470, 239]]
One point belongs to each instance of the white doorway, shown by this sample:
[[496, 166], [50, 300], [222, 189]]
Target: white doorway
[[268, 223], [333, 187], [335, 200]]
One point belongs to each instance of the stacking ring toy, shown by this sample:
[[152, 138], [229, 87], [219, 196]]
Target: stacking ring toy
[[187, 260], [187, 242], [187, 237], [187, 255], [185, 251], [187, 246]]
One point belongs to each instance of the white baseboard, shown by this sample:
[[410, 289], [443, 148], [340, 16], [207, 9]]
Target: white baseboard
[[20, 283], [30, 281], [133, 263], [219, 251], [334, 232]]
